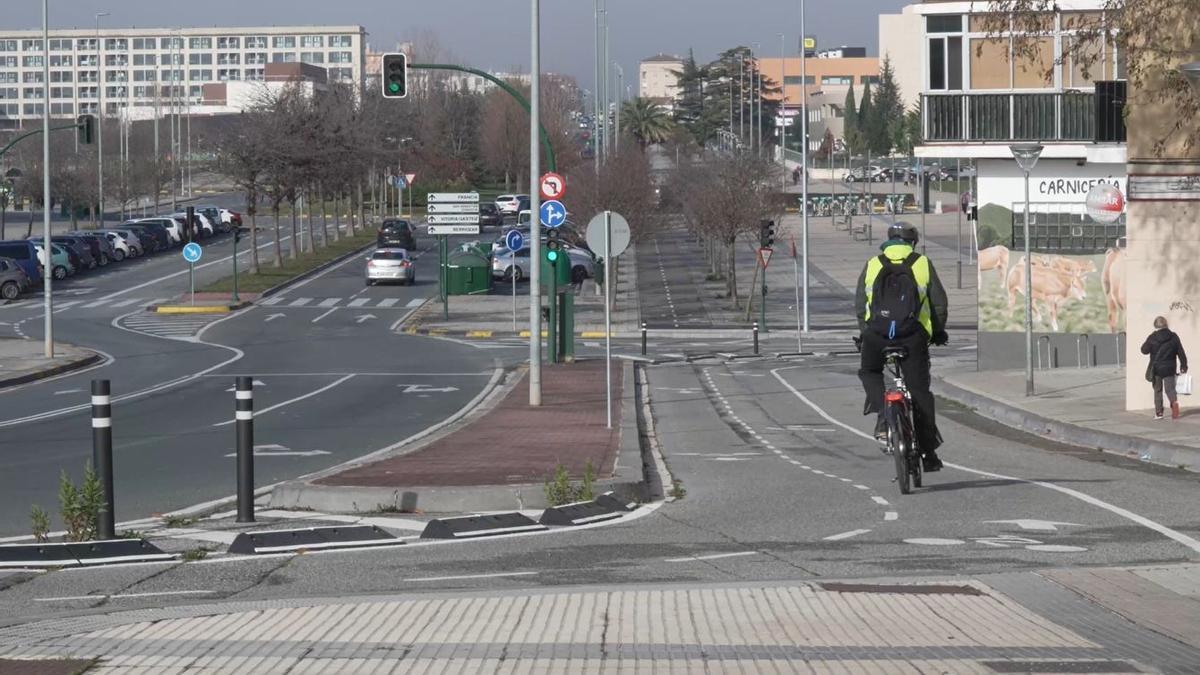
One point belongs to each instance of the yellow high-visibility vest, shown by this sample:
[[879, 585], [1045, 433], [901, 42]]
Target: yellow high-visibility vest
[[897, 253]]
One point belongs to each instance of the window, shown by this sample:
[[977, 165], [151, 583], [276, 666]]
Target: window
[[34, 108], [175, 59], [89, 76], [8, 93], [145, 59], [254, 73], [62, 108], [256, 58], [9, 62], [8, 45], [117, 60], [10, 108], [256, 42], [116, 44], [143, 92], [283, 42], [943, 23], [87, 108], [229, 43], [9, 78], [200, 59], [1036, 70], [341, 73], [1079, 69], [116, 76], [145, 75], [31, 61], [85, 45], [226, 74], [837, 79], [195, 91], [61, 45], [869, 79], [61, 76], [171, 43], [116, 92], [31, 45], [61, 60], [795, 79], [230, 59], [89, 92], [200, 43], [62, 92], [34, 92], [200, 74], [310, 41], [172, 75], [339, 41], [32, 76], [312, 57], [945, 63], [145, 43], [283, 57]]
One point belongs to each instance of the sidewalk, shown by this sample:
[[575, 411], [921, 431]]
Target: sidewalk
[[1057, 623], [500, 456], [1077, 406], [23, 361]]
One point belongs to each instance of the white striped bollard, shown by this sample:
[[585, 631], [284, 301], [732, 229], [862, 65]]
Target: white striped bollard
[[244, 413], [102, 461]]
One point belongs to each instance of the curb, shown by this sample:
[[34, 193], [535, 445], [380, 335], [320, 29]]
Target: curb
[[314, 271], [484, 334], [1154, 452], [197, 309], [77, 364]]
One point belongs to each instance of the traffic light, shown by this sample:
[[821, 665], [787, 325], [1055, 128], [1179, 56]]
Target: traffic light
[[766, 234], [86, 128], [553, 246], [395, 75]]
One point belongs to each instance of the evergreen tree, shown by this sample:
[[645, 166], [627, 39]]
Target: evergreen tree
[[691, 106], [865, 111], [887, 113], [850, 133]]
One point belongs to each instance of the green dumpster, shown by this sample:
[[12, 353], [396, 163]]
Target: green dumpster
[[468, 272]]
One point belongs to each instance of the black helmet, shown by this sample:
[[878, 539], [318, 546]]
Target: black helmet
[[902, 230]]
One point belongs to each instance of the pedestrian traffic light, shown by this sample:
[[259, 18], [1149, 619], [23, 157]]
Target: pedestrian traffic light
[[766, 234], [395, 75], [553, 246], [85, 128]]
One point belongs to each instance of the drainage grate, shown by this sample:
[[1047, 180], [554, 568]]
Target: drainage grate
[[1062, 667], [910, 589]]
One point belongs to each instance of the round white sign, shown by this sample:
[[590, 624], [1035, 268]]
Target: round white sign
[[1105, 203], [619, 229]]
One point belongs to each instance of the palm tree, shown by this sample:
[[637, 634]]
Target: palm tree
[[647, 121]]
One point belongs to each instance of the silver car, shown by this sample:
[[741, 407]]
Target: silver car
[[390, 264], [505, 263]]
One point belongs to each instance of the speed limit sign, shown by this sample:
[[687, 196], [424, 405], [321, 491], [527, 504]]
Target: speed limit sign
[[553, 186]]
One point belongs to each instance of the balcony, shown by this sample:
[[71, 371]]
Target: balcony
[[1062, 117]]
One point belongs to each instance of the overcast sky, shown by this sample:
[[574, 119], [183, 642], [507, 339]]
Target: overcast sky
[[494, 34]]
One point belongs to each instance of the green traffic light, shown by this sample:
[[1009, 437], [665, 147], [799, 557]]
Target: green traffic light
[[394, 87], [552, 256]]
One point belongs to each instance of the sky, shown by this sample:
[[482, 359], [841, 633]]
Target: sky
[[494, 34]]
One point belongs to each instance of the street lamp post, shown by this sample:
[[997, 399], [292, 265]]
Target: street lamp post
[[47, 245], [535, 243], [596, 93], [783, 109], [620, 97], [1027, 155], [99, 122], [804, 158]]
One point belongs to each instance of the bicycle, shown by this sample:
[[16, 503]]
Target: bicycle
[[901, 427]]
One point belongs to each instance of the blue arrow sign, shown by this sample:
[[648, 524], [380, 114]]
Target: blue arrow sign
[[553, 213], [514, 240], [192, 252]]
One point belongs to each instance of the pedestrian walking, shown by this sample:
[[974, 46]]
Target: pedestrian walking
[[1164, 348], [796, 176]]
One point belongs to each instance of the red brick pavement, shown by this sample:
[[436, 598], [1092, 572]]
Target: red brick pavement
[[513, 443]]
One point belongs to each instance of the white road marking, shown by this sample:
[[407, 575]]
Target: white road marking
[[155, 594], [714, 556], [1185, 540], [933, 541], [1055, 548], [124, 303], [328, 302], [358, 302], [471, 576], [325, 314], [292, 400], [299, 302], [388, 302], [416, 303], [861, 487], [1035, 525], [273, 300], [880, 500], [845, 535], [891, 515]]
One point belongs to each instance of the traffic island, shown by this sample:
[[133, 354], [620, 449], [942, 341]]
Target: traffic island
[[24, 361], [498, 459]]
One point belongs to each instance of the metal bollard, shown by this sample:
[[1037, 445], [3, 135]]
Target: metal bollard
[[244, 413], [643, 338], [755, 338], [102, 456]]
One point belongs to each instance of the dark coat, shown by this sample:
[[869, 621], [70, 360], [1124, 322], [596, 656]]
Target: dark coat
[[1164, 348]]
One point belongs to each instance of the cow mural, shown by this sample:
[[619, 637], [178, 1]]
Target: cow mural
[[1113, 281], [1070, 293], [993, 258], [1052, 288]]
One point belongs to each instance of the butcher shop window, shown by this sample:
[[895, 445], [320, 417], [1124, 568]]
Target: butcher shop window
[[1064, 228]]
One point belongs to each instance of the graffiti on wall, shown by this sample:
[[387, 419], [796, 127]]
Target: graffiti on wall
[[1070, 293]]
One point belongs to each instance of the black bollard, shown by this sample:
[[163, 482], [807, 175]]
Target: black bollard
[[102, 456], [244, 412], [755, 338], [643, 338]]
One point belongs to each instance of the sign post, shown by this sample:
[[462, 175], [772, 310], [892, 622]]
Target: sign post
[[449, 213], [192, 253], [608, 232], [515, 241]]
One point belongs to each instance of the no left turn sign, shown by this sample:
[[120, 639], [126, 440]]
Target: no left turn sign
[[553, 186]]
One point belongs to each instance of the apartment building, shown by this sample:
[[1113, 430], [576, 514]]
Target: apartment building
[[142, 67], [657, 78]]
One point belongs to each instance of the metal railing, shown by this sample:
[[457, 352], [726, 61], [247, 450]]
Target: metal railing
[[1008, 117]]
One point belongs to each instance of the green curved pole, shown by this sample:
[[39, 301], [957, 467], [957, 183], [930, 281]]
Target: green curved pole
[[35, 132], [550, 164]]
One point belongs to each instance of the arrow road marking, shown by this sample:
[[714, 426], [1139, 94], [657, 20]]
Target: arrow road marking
[[275, 450], [272, 317], [424, 389], [364, 317], [1036, 525], [845, 535]]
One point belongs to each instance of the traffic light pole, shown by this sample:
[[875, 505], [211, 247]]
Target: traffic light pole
[[235, 299], [443, 277]]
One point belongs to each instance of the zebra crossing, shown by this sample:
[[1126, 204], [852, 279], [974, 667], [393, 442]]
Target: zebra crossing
[[175, 326], [330, 303], [63, 304]]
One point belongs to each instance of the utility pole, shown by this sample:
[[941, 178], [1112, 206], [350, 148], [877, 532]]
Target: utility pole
[[535, 241], [607, 90], [99, 126], [804, 156], [620, 88], [596, 89], [783, 112], [47, 246], [741, 95]]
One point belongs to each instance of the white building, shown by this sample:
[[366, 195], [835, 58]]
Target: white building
[[135, 67], [657, 78]]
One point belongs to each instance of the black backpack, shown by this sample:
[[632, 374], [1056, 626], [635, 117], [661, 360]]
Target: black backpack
[[896, 300]]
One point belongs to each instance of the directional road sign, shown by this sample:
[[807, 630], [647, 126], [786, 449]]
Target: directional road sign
[[452, 229], [453, 218], [553, 213], [399, 182], [452, 207], [454, 197], [192, 252], [620, 234], [514, 240], [553, 186]]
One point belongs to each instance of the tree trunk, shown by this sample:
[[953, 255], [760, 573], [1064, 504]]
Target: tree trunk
[[324, 220], [312, 229], [361, 214], [3, 216], [29, 228], [253, 241], [278, 244], [731, 281], [507, 181], [294, 249], [337, 217]]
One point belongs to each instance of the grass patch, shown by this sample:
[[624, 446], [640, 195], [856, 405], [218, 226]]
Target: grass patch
[[176, 522], [194, 554], [270, 276]]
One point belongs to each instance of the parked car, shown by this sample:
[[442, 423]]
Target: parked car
[[390, 264], [121, 248], [24, 254], [78, 251], [171, 226], [223, 220], [396, 233], [871, 173], [510, 203], [137, 248], [508, 265], [13, 279], [60, 260], [99, 243], [201, 225], [158, 237], [490, 216]]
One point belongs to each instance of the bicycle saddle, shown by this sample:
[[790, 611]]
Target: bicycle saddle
[[901, 352]]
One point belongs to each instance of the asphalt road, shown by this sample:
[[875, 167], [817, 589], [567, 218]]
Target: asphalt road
[[333, 381]]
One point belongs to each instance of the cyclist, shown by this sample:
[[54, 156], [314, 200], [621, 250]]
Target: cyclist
[[901, 302]]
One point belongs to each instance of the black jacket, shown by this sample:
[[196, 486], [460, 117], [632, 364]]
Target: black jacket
[[1164, 347]]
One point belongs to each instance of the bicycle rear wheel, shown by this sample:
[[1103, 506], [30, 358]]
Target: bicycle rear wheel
[[899, 446]]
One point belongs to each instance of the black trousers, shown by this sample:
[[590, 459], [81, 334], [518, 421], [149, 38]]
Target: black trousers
[[915, 369]]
